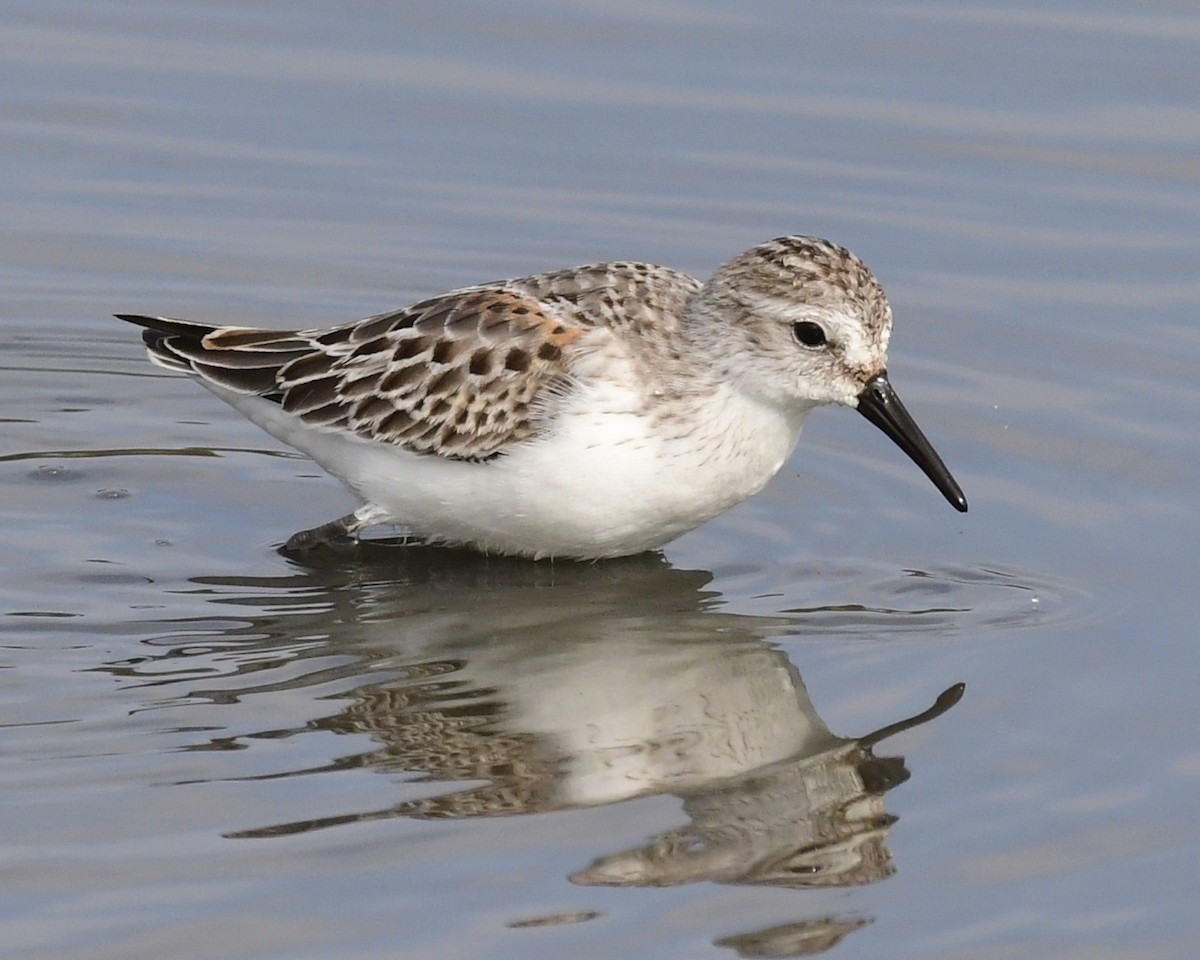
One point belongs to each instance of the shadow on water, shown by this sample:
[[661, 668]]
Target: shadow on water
[[552, 687]]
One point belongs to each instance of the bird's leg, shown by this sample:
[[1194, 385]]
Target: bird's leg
[[327, 534]]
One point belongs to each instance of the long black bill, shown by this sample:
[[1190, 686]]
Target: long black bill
[[879, 404]]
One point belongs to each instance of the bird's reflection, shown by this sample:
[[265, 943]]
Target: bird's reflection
[[563, 686]]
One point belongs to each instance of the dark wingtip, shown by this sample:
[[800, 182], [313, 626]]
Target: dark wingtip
[[166, 325], [156, 328]]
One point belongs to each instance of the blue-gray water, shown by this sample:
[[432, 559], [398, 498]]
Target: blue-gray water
[[208, 750]]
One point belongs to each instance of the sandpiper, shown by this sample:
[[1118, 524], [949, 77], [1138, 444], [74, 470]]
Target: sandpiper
[[591, 412]]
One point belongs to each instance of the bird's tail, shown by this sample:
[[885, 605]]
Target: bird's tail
[[243, 359]]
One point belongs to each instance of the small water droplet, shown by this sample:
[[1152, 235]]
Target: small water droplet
[[53, 471]]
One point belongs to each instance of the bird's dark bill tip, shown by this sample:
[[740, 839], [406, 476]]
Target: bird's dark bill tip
[[880, 404]]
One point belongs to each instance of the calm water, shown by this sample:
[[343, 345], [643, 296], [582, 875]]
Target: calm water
[[752, 745]]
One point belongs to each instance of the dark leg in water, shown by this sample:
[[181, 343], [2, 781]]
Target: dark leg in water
[[327, 534]]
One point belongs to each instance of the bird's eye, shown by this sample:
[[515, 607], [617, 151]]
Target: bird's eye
[[808, 333]]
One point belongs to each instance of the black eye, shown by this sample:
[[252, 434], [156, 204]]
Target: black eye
[[808, 333]]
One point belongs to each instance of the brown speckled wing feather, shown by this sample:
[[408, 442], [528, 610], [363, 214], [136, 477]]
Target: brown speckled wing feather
[[460, 375]]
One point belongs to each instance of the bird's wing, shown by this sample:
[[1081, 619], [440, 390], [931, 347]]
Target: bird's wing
[[463, 375]]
